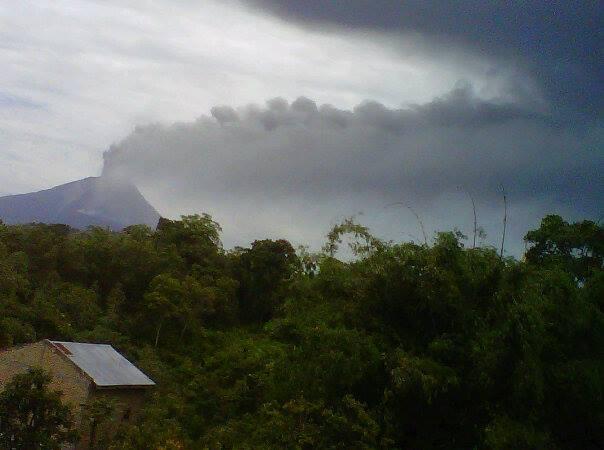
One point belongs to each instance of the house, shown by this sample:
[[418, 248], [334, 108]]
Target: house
[[84, 373]]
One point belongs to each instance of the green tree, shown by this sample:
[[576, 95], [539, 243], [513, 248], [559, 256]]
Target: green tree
[[99, 414], [195, 238], [263, 272], [391, 345], [163, 302], [32, 416], [576, 247]]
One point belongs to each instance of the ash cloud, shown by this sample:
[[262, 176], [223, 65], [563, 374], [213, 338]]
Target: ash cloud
[[292, 169]]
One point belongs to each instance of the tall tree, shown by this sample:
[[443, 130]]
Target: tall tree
[[263, 271]]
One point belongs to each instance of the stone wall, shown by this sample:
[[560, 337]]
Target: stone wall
[[78, 390], [66, 377], [126, 403]]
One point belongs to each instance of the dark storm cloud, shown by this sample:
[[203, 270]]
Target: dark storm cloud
[[558, 42], [281, 159]]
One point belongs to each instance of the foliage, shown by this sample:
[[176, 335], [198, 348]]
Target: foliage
[[32, 416], [97, 416], [575, 247], [400, 346], [263, 272]]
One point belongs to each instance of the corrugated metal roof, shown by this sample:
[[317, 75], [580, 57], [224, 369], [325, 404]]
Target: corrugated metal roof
[[103, 364]]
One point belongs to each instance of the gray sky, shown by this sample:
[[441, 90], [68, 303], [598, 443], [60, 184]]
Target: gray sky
[[368, 105]]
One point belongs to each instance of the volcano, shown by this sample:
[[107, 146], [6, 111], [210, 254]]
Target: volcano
[[93, 201]]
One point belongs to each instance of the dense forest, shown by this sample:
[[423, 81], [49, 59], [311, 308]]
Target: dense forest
[[402, 346]]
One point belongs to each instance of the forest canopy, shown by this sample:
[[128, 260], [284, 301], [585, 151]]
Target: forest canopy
[[402, 346]]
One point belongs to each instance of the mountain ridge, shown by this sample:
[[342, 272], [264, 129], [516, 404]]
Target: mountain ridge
[[91, 201]]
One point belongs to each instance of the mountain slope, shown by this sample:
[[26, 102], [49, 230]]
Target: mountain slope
[[90, 201]]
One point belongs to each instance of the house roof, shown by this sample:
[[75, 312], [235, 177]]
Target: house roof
[[103, 364]]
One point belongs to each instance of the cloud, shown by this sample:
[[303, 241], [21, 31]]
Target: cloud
[[557, 42], [13, 101], [101, 67], [527, 117], [291, 169]]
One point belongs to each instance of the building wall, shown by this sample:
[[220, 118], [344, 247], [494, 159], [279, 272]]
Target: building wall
[[125, 400], [126, 403], [78, 391], [66, 377]]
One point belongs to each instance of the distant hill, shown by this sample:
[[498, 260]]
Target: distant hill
[[90, 201]]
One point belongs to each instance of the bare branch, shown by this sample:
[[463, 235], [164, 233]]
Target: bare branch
[[419, 220], [505, 219], [474, 210]]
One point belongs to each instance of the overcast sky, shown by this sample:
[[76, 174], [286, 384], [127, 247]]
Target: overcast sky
[[281, 117]]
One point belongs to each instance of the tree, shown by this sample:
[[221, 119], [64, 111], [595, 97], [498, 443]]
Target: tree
[[32, 416], [163, 301], [378, 345], [98, 413], [263, 270], [577, 248], [196, 238]]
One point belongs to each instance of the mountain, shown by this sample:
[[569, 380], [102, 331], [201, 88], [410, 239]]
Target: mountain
[[91, 201]]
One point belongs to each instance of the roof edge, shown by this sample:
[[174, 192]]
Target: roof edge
[[50, 344], [103, 387]]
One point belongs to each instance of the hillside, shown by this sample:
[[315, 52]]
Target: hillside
[[437, 346], [79, 204]]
